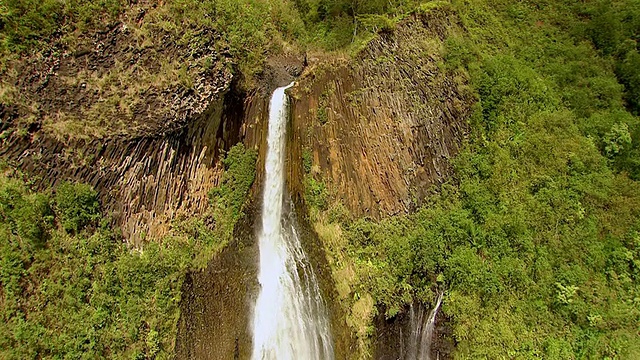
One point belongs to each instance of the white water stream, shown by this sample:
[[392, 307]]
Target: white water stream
[[419, 347], [290, 320]]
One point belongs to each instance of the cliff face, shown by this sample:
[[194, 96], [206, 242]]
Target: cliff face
[[119, 81], [382, 127], [216, 307], [157, 168], [395, 337], [141, 115], [143, 122], [146, 182], [380, 131]]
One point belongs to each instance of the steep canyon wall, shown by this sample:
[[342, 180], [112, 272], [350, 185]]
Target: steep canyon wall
[[380, 131], [382, 128], [144, 182]]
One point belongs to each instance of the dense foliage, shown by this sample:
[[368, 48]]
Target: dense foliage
[[536, 243], [25, 23], [254, 29], [614, 29], [336, 24], [71, 288], [80, 295]]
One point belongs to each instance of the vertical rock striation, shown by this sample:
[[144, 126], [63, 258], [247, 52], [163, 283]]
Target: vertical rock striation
[[383, 127], [147, 181]]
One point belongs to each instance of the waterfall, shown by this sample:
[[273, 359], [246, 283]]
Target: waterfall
[[419, 346], [290, 319]]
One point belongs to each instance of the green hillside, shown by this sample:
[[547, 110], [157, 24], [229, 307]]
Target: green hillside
[[535, 239]]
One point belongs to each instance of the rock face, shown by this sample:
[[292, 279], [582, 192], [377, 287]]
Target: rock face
[[394, 337], [216, 304], [115, 82], [153, 160], [380, 131], [145, 182], [382, 128], [143, 117]]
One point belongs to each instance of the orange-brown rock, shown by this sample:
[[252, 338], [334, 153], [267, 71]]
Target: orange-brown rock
[[383, 127], [143, 182]]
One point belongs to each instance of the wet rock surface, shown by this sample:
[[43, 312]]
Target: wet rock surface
[[392, 337], [343, 340], [216, 308]]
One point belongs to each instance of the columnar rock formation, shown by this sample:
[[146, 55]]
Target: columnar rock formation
[[382, 128]]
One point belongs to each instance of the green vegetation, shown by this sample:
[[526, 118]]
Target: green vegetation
[[536, 242], [200, 39], [250, 29], [339, 24], [211, 232], [253, 29], [69, 286], [25, 23], [77, 206], [315, 193], [83, 294], [614, 29], [227, 201]]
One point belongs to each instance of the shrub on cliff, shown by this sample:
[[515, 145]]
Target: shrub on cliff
[[28, 216], [240, 171], [77, 205]]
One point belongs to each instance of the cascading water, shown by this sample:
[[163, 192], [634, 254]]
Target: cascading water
[[419, 347], [290, 320]]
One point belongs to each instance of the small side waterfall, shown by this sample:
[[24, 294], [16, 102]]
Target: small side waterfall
[[290, 319], [419, 346]]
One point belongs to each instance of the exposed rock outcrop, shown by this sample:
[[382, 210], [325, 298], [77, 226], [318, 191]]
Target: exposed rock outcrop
[[145, 124], [121, 81], [382, 127], [380, 131], [141, 116], [393, 336], [145, 182], [216, 307]]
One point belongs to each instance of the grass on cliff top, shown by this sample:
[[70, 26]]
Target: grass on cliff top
[[250, 29], [112, 103], [71, 288], [25, 24]]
